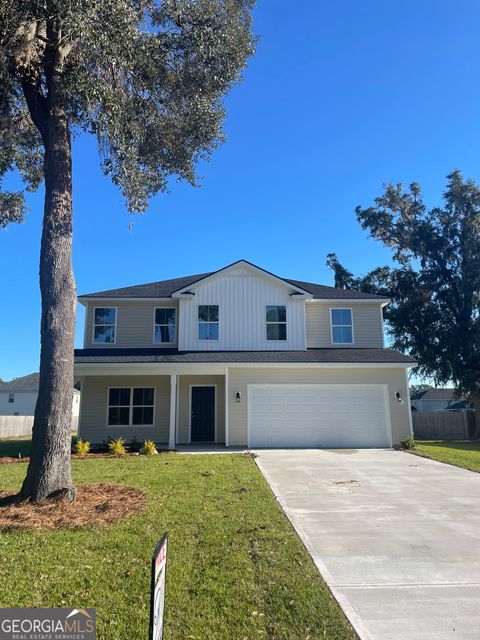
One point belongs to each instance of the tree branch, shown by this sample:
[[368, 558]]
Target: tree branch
[[37, 105]]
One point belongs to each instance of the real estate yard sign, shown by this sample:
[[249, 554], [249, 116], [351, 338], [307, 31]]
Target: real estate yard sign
[[157, 595]]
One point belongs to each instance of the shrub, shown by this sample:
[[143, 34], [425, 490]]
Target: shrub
[[148, 448], [82, 447], [408, 443], [134, 445], [117, 447]]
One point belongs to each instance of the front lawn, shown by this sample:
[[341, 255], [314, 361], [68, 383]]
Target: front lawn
[[11, 447], [237, 569], [461, 453]]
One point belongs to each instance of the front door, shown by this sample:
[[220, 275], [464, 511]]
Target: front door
[[203, 414]]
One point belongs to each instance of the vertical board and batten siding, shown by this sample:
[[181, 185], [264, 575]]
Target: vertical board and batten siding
[[93, 411], [242, 298], [238, 380], [134, 323], [366, 318], [183, 422]]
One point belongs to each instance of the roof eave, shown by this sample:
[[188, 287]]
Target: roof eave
[[286, 283]]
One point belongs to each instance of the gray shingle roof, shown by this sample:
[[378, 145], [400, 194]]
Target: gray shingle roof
[[165, 288], [459, 406], [448, 393], [161, 289], [155, 355], [26, 384]]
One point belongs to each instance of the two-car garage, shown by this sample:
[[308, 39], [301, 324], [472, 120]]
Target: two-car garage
[[318, 415]]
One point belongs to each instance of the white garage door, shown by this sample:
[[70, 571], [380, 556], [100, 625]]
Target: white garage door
[[281, 415]]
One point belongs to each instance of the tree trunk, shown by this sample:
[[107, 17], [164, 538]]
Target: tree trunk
[[49, 470]]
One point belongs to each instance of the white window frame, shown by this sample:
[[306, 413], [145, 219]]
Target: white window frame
[[105, 344], [155, 325], [341, 325], [130, 414], [206, 304], [267, 323], [11, 398]]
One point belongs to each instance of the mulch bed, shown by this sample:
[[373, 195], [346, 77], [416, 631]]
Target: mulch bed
[[96, 505], [75, 456]]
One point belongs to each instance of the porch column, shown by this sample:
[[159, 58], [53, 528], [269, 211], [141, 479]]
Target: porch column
[[173, 410]]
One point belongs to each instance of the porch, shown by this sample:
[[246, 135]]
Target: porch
[[170, 409]]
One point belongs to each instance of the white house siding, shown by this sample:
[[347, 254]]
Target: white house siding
[[239, 378], [23, 404], [183, 425], [134, 323], [367, 324], [76, 404], [93, 412], [242, 297]]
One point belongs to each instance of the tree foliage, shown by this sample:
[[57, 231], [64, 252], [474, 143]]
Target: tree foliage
[[435, 283], [419, 388], [145, 77]]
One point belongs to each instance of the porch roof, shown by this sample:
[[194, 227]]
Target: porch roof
[[174, 356]]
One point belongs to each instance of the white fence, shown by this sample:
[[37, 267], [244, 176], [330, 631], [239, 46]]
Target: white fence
[[20, 426]]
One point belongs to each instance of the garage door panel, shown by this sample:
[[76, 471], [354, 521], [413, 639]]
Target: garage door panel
[[317, 416]]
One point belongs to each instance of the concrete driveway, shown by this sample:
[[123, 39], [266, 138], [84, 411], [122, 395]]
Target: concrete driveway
[[396, 537]]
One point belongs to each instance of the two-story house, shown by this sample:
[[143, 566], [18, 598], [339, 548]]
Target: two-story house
[[242, 357]]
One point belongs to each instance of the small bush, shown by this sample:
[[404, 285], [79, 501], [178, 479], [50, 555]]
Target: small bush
[[134, 446], [117, 447], [82, 447], [408, 443], [148, 448]]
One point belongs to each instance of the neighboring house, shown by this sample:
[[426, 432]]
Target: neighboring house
[[243, 357], [19, 397], [461, 405], [434, 400]]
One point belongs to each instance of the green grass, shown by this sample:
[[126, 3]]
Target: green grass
[[11, 447], [237, 569], [461, 453]]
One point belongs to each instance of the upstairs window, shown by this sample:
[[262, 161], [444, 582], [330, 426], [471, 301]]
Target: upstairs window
[[342, 326], [104, 323], [208, 328], [130, 406], [11, 397], [165, 325], [276, 318]]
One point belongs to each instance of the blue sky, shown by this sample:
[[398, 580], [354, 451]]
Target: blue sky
[[339, 99]]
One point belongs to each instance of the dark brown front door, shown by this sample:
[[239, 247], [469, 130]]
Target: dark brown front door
[[203, 414]]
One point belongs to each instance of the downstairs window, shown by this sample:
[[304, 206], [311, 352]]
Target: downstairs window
[[130, 406]]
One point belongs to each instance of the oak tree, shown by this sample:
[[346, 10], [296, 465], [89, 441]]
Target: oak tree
[[147, 78], [435, 282]]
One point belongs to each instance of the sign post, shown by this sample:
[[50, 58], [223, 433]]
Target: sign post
[[157, 593]]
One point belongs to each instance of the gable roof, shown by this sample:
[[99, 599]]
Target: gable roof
[[25, 384], [458, 406], [165, 288], [448, 393], [252, 267]]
